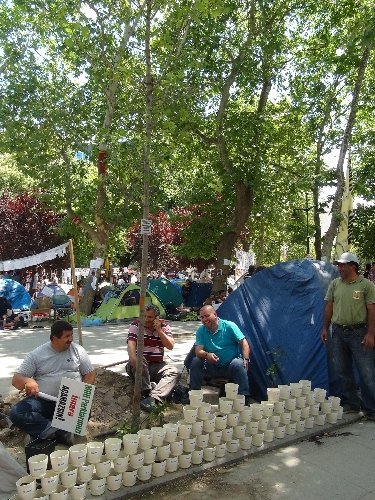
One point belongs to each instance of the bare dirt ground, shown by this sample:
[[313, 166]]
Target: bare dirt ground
[[110, 410]]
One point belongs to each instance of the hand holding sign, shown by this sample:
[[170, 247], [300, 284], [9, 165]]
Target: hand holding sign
[[73, 406]]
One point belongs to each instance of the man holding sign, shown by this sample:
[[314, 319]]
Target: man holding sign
[[40, 374]]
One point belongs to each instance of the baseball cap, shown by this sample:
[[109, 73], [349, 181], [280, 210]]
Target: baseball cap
[[347, 257]]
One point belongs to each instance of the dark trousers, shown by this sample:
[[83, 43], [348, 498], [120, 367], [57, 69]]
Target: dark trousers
[[346, 348]]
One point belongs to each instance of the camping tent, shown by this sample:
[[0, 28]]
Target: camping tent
[[51, 290], [198, 292], [280, 310], [53, 296], [16, 293], [166, 292], [126, 305]]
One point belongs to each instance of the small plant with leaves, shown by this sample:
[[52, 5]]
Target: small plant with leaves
[[190, 316], [156, 417], [274, 368], [125, 429]]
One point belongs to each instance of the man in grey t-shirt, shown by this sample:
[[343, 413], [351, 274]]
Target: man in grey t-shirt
[[42, 371]]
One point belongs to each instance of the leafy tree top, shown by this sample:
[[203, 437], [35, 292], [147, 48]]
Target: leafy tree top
[[27, 227]]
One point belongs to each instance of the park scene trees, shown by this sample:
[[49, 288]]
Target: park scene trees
[[245, 112]]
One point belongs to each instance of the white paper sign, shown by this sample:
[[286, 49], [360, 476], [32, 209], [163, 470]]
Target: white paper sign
[[146, 226], [244, 259], [73, 406], [96, 263]]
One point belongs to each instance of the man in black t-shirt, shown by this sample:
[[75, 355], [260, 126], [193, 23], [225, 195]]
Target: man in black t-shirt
[[5, 306]]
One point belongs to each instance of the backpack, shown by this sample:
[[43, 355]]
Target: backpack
[[179, 395]]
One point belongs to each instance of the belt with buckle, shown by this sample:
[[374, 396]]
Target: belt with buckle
[[351, 327]]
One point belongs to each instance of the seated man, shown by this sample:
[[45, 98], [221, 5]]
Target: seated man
[[42, 370], [218, 348], [210, 300], [157, 336], [12, 321]]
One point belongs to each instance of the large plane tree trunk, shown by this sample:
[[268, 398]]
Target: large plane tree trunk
[[336, 205]]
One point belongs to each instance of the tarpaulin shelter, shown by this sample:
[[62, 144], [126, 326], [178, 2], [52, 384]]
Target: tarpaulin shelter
[[198, 292], [52, 253], [16, 293], [280, 310]]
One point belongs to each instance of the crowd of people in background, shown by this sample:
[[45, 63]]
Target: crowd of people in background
[[121, 277]]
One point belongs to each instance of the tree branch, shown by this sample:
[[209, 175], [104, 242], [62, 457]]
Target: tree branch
[[205, 138], [225, 92]]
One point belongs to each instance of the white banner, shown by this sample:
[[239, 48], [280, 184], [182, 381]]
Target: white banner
[[73, 406], [33, 260]]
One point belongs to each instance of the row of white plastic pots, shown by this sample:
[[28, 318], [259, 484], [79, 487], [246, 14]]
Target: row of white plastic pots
[[71, 474], [202, 435]]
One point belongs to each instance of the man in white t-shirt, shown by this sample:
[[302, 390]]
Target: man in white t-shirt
[[133, 279], [42, 371]]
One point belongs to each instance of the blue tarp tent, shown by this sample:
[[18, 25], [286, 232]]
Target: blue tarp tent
[[280, 310], [198, 294], [15, 293]]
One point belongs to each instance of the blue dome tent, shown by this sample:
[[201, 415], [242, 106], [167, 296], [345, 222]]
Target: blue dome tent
[[280, 310], [16, 293]]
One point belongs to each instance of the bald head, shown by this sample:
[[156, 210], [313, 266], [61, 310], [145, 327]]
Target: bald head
[[206, 309], [209, 318]]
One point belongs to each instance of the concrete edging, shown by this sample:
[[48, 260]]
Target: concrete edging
[[230, 458]]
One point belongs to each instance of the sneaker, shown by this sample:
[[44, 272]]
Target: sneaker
[[64, 437], [148, 404]]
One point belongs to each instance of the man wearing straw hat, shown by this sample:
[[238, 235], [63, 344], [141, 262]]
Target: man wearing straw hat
[[221, 350], [350, 307]]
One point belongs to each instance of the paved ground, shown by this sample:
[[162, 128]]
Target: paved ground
[[340, 464], [105, 344]]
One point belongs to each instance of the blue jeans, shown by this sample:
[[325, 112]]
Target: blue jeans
[[33, 416], [235, 371], [346, 349]]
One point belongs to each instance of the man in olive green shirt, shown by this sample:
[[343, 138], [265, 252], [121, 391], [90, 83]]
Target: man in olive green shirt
[[350, 307]]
